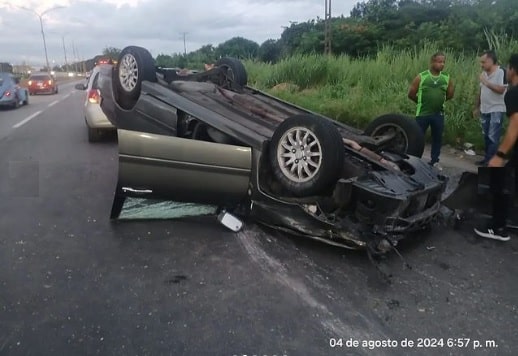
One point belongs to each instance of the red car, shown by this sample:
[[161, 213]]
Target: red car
[[42, 83]]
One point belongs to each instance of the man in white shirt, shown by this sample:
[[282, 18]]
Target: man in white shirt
[[490, 103]]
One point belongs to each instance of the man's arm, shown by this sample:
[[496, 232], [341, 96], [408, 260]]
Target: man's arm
[[414, 87], [511, 135], [510, 138], [499, 89], [476, 109], [450, 91], [477, 100]]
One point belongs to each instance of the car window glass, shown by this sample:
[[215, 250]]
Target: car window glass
[[40, 77]]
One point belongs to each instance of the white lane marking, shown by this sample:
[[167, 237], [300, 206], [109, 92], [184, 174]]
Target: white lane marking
[[26, 120]]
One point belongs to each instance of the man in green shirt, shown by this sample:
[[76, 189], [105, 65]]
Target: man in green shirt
[[430, 90]]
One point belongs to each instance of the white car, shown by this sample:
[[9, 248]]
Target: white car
[[96, 120]]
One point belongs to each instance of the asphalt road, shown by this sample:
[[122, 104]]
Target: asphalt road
[[74, 283]]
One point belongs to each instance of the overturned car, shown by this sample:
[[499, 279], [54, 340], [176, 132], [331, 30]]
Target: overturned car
[[207, 137]]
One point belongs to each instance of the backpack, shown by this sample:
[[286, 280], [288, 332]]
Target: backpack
[[505, 74]]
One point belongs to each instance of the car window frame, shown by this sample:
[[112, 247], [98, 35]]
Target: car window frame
[[47, 77]]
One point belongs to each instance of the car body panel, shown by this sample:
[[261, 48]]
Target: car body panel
[[154, 113], [11, 93], [94, 116], [171, 167], [205, 102]]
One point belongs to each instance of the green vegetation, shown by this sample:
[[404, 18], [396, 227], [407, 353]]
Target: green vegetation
[[463, 26], [377, 51], [356, 91]]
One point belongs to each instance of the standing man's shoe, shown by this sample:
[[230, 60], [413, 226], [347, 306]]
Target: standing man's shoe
[[499, 234], [437, 166]]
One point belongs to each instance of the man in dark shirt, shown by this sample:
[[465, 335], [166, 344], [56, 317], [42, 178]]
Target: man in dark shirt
[[500, 175]]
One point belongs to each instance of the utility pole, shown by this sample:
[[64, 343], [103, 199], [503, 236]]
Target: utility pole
[[65, 52], [75, 56], [40, 16], [327, 28], [83, 63], [184, 46]]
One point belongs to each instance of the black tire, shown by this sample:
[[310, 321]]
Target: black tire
[[233, 76], [141, 64], [328, 141], [410, 137], [56, 91], [26, 102], [93, 135]]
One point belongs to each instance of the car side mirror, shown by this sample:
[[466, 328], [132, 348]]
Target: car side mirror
[[17, 80], [80, 86]]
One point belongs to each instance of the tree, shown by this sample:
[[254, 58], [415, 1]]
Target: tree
[[355, 38], [238, 47], [460, 25], [374, 10], [111, 52], [292, 36], [208, 51], [270, 51], [165, 61]]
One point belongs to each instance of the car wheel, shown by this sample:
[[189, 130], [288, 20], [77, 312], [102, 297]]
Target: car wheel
[[93, 135], [56, 91], [409, 137], [26, 102], [233, 75], [306, 154], [135, 64]]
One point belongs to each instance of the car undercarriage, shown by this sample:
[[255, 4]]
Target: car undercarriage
[[207, 137]]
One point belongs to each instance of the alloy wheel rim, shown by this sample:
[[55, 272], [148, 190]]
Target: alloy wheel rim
[[128, 72], [299, 154]]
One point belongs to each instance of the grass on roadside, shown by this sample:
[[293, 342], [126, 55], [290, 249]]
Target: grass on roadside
[[357, 91]]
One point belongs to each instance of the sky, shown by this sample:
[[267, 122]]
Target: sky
[[88, 26]]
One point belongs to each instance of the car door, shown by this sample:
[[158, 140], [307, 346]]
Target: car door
[[184, 170]]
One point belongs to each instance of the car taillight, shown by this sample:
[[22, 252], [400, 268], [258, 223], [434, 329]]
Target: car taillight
[[30, 82], [7, 93], [94, 96], [50, 82]]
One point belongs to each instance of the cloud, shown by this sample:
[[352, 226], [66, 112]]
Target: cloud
[[91, 25]]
